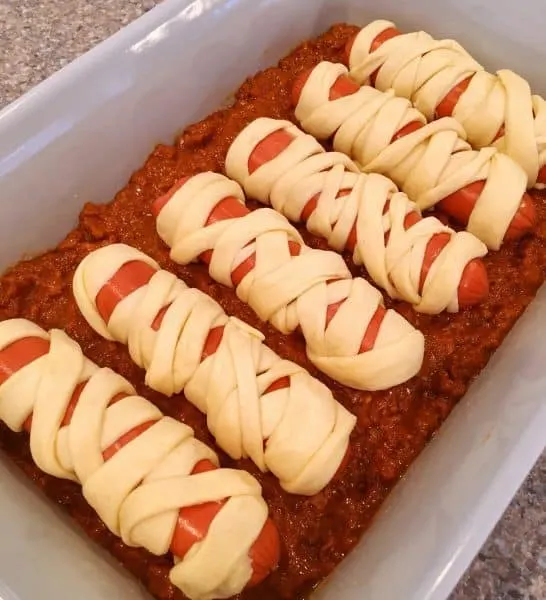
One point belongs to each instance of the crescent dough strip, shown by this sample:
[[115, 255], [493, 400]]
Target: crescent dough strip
[[292, 291], [305, 431], [428, 164], [304, 170], [139, 492], [425, 70]]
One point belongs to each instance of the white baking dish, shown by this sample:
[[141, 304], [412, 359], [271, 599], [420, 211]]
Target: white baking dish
[[79, 135]]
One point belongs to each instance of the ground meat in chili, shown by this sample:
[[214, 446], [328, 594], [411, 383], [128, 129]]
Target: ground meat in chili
[[393, 426]]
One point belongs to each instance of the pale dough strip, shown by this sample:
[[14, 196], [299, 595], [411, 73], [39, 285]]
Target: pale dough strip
[[300, 433], [304, 169], [425, 70], [428, 164], [139, 492]]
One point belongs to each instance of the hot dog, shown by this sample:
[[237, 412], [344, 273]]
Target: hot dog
[[231, 208], [458, 205], [446, 106], [135, 274], [294, 290], [474, 285], [193, 522]]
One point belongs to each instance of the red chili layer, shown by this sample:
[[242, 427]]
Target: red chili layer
[[393, 426]]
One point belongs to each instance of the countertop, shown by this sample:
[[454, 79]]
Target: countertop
[[38, 37]]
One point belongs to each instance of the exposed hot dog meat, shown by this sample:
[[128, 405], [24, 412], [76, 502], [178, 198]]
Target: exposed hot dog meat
[[373, 329], [447, 105], [381, 38], [406, 130], [269, 148], [129, 278], [461, 203], [125, 439], [211, 343], [311, 206], [473, 287], [193, 521], [385, 35], [19, 354], [162, 200], [230, 208]]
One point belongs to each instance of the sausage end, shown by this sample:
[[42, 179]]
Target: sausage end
[[474, 286], [299, 84], [524, 220], [159, 203], [265, 553]]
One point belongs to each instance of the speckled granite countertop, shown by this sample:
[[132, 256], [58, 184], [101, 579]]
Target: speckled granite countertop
[[38, 37]]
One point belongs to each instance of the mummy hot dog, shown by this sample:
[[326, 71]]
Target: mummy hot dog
[[151, 482], [442, 79], [257, 405], [349, 333], [431, 163], [418, 260]]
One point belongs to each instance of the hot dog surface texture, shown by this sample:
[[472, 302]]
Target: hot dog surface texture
[[393, 426]]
